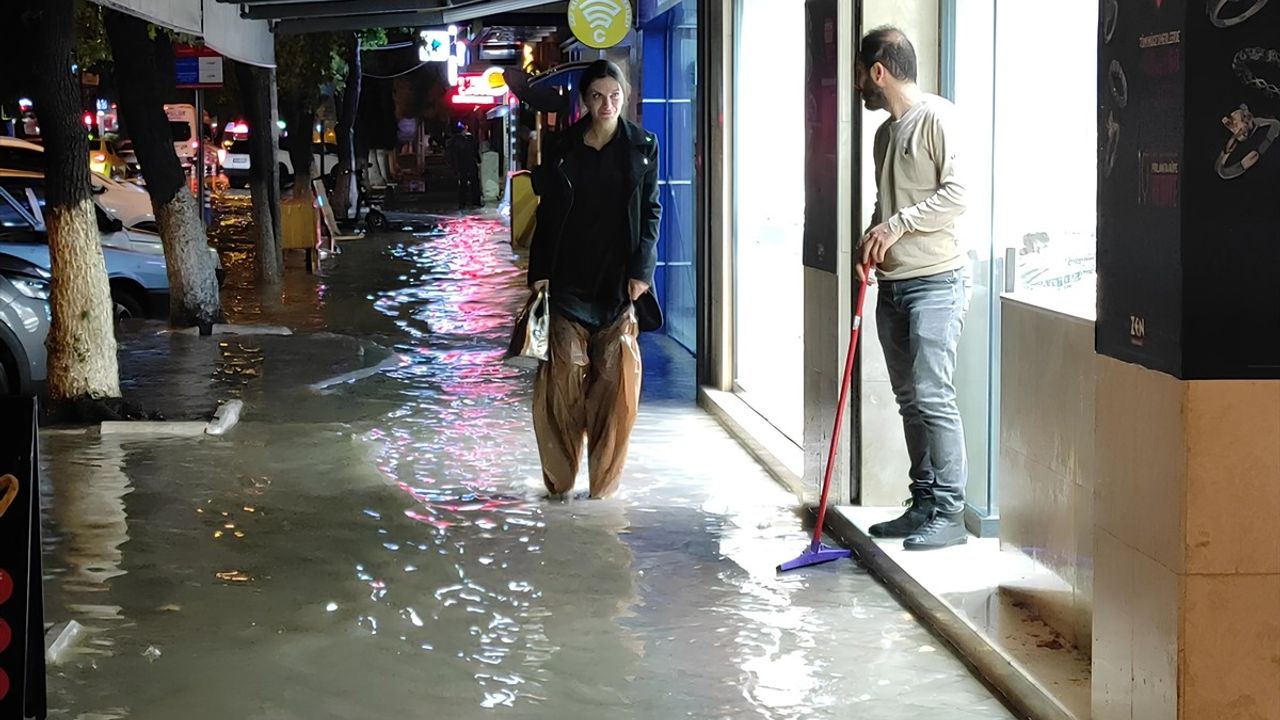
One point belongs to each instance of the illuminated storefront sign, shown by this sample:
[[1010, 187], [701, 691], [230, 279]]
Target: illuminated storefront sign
[[436, 46], [485, 88]]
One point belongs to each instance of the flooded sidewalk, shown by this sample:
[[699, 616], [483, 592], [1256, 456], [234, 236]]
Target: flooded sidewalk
[[373, 540]]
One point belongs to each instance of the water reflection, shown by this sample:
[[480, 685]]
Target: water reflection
[[448, 449], [381, 546], [89, 521]]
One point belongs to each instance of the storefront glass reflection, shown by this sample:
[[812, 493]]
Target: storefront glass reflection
[[768, 213]]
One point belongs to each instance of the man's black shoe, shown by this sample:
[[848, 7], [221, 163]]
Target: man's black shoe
[[944, 530], [920, 512]]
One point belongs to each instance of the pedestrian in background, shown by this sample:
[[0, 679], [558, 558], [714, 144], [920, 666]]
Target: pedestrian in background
[[464, 156]]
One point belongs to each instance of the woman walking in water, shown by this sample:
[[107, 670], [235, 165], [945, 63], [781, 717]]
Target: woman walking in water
[[594, 251]]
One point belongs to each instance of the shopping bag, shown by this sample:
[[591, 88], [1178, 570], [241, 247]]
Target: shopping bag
[[531, 339]]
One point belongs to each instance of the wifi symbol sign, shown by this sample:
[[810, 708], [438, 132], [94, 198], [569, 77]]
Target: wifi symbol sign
[[600, 23]]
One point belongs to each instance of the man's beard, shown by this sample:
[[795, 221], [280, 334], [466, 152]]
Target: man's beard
[[874, 99]]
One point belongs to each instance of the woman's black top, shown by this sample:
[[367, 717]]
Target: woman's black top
[[589, 281]]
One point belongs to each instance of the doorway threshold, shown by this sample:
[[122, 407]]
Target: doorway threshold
[[779, 456], [970, 597]]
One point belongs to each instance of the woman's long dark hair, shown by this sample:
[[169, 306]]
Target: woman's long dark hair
[[599, 70]]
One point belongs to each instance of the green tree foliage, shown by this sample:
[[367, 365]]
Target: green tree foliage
[[92, 47], [309, 65]]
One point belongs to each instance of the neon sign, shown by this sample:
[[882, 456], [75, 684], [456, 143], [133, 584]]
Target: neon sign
[[485, 88], [473, 100]]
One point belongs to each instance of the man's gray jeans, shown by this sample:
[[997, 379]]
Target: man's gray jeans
[[919, 322]]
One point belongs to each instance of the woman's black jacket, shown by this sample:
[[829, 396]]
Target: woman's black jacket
[[555, 191]]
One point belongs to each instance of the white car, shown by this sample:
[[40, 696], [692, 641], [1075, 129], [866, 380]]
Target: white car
[[134, 258], [236, 162], [126, 202]]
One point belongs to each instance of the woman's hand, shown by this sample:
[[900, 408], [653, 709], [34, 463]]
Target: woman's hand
[[637, 288]]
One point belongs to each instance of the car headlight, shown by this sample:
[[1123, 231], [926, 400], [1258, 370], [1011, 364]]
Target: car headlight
[[32, 288]]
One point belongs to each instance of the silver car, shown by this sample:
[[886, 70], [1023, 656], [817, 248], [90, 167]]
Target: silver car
[[24, 325]]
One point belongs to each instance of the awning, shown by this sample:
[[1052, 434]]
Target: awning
[[220, 24], [305, 16], [249, 41]]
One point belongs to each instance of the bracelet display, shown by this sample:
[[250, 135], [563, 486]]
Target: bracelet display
[[1216, 8]]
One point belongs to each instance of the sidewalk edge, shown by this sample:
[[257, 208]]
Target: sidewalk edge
[[1000, 673]]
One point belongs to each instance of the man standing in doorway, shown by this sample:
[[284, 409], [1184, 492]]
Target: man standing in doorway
[[921, 269]]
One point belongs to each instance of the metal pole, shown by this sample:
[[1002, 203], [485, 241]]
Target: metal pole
[[200, 153]]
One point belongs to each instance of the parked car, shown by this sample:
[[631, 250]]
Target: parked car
[[105, 159], [24, 325], [236, 163], [124, 201], [135, 259]]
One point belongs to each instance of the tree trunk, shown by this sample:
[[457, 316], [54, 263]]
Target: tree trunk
[[276, 177], [193, 284], [345, 195], [301, 121], [264, 173], [82, 343]]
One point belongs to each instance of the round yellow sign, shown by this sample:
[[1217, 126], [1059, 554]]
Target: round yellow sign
[[600, 23]]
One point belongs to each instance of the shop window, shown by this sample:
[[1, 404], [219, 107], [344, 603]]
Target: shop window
[[1045, 152], [769, 184]]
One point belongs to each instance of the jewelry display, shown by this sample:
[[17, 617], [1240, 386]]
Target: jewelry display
[[1113, 144], [1244, 63], [1119, 84], [1217, 8], [1244, 125]]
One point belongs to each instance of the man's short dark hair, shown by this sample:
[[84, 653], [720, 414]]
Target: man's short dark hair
[[890, 47]]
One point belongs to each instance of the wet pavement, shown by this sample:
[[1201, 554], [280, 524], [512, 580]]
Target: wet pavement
[[381, 545]]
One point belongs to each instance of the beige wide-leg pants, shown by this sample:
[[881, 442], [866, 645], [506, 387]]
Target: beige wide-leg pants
[[588, 391]]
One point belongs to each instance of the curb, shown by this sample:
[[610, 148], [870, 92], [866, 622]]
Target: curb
[[226, 417], [193, 428], [1000, 673], [60, 640], [237, 330]]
